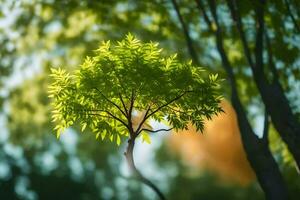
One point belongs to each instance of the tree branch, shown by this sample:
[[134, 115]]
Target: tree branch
[[129, 118], [258, 70], [232, 4], [113, 103], [147, 116], [187, 36], [118, 119], [266, 128], [124, 106], [113, 116], [144, 119], [87, 112], [292, 16], [173, 109], [166, 104], [270, 58], [201, 8], [155, 131]]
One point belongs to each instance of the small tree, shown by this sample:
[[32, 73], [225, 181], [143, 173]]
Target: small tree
[[127, 77]]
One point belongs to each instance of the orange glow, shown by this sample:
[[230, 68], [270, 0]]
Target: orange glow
[[217, 149]]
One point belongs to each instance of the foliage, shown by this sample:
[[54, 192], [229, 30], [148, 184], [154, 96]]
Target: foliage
[[131, 76], [62, 33]]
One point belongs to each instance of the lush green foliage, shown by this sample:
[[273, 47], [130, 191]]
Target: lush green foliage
[[61, 33], [131, 76]]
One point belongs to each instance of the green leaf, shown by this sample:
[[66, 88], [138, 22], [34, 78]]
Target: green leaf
[[145, 137], [83, 127], [98, 93], [118, 140], [103, 134], [111, 137]]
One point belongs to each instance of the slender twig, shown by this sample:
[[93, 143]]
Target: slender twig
[[123, 103], [155, 131], [144, 119], [96, 114], [178, 111], [147, 116], [113, 103], [118, 119], [113, 116], [168, 103]]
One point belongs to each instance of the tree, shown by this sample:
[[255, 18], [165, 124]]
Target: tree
[[127, 77], [266, 78], [61, 33]]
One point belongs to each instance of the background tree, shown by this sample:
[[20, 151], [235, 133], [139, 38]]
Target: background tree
[[264, 165]]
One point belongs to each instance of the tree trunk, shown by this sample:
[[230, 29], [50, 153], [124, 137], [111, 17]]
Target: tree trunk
[[258, 153], [136, 172], [281, 114], [260, 158]]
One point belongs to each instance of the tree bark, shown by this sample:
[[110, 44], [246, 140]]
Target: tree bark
[[260, 157], [285, 122], [282, 117], [258, 152]]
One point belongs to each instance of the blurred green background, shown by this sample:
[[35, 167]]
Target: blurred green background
[[36, 35]]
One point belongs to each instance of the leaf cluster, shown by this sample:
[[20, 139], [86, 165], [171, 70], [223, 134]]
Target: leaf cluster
[[128, 76]]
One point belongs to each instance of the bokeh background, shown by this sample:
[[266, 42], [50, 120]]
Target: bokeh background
[[36, 35]]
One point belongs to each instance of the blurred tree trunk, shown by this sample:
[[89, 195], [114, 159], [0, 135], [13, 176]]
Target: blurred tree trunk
[[258, 152], [285, 122]]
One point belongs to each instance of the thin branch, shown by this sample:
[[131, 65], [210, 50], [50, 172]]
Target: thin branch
[[266, 128], [287, 4], [164, 105], [185, 29], [113, 103], [118, 119], [147, 115], [113, 116], [97, 114], [131, 103], [201, 8], [144, 119], [258, 70], [173, 109], [155, 131], [219, 40], [87, 110], [232, 4], [270, 58], [123, 103], [129, 118]]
